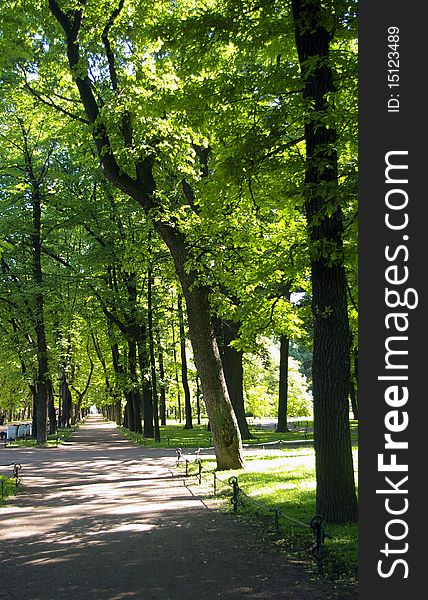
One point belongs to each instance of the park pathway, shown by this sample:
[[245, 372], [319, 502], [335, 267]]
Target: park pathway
[[101, 519]]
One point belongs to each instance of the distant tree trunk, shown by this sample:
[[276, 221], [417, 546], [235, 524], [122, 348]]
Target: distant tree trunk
[[184, 378], [152, 355], [198, 400], [119, 375], [110, 392], [66, 400], [134, 394], [129, 411], [335, 497], [51, 409], [117, 411], [144, 362], [34, 411], [162, 404], [283, 384], [81, 394], [233, 372], [174, 354]]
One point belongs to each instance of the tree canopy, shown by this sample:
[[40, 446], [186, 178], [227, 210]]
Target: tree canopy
[[159, 151]]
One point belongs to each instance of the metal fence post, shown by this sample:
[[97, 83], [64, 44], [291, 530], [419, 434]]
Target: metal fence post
[[233, 481], [318, 547]]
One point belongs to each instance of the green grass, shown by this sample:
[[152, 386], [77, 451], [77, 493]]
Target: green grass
[[175, 436], [55, 439], [9, 488], [286, 480]]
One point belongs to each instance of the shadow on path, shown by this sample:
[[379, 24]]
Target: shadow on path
[[102, 519]]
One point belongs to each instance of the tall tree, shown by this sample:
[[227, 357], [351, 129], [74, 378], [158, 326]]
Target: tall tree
[[336, 498], [141, 185]]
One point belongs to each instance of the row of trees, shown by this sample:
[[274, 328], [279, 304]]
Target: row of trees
[[209, 144], [85, 324]]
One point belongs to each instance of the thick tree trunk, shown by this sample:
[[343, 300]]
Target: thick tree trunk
[[42, 386], [335, 497], [224, 427], [184, 378], [282, 425], [234, 374]]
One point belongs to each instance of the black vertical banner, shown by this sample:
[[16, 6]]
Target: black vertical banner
[[393, 329]]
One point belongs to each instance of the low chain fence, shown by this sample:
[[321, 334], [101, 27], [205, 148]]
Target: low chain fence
[[240, 498]]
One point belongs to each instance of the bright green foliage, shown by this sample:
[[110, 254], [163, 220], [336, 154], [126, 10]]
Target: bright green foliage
[[213, 93], [261, 375]]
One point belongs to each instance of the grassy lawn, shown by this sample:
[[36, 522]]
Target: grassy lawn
[[175, 436], [282, 478], [9, 488]]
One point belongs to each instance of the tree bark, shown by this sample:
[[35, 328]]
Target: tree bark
[[353, 389], [119, 373], [282, 425], [134, 394], [234, 373], [184, 378], [174, 355], [162, 404], [66, 400], [224, 427], [42, 385], [51, 409], [144, 361], [335, 497], [198, 400]]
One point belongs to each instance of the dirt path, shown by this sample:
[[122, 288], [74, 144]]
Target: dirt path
[[101, 519]]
